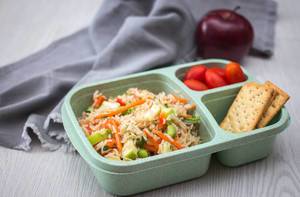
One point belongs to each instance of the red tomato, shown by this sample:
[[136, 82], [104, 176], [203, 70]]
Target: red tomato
[[220, 71], [234, 73], [195, 85], [120, 101], [196, 72], [213, 80]]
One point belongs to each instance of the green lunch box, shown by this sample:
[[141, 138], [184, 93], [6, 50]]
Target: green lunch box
[[130, 177]]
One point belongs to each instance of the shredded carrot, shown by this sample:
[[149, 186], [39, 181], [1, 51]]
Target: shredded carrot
[[180, 99], [162, 121], [115, 125], [105, 124], [166, 138], [108, 124], [121, 109], [111, 143], [151, 139], [116, 140], [150, 148], [119, 144], [98, 101]]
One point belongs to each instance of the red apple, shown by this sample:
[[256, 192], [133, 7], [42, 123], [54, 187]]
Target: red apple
[[224, 34]]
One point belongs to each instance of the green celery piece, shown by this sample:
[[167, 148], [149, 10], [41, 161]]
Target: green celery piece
[[168, 111], [129, 151], [95, 138], [193, 120], [171, 131]]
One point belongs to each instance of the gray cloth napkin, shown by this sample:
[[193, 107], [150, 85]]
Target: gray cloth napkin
[[124, 37]]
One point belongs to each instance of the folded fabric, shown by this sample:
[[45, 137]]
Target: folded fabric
[[126, 36]]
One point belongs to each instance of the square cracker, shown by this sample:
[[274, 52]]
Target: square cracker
[[280, 99], [248, 107]]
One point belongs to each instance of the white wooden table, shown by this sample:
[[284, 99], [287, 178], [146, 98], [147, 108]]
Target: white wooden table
[[27, 26]]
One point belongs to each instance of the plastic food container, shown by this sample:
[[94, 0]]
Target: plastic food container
[[130, 177]]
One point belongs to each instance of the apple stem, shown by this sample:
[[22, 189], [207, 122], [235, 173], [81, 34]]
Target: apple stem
[[237, 8]]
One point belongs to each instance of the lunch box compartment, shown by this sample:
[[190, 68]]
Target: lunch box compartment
[[179, 73], [218, 104], [144, 180], [80, 99], [246, 153], [155, 83], [131, 177]]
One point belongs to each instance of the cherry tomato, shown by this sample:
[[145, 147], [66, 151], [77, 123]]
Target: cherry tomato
[[213, 80], [195, 84], [196, 72], [234, 73], [220, 71]]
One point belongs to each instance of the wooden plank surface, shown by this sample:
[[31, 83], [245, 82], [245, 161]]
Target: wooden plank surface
[[27, 26]]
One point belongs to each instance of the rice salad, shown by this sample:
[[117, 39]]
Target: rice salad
[[139, 124]]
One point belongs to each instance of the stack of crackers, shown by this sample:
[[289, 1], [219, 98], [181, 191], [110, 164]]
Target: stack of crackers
[[254, 107]]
